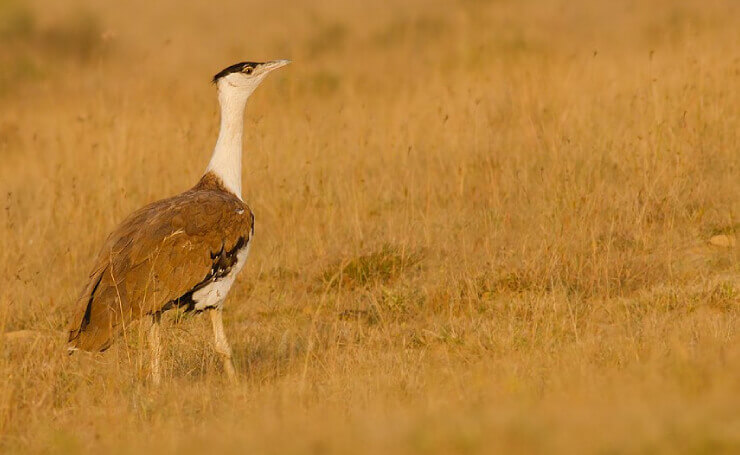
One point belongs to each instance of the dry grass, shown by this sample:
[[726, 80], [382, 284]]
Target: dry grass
[[481, 225]]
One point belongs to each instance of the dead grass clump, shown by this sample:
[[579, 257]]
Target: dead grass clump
[[383, 266], [514, 281], [16, 20], [385, 304], [329, 38], [31, 50], [79, 35], [723, 297], [586, 274]]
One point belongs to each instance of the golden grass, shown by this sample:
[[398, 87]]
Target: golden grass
[[482, 226]]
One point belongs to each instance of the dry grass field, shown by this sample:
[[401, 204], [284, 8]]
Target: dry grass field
[[482, 226]]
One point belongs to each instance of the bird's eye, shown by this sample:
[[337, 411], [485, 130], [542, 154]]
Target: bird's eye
[[248, 70]]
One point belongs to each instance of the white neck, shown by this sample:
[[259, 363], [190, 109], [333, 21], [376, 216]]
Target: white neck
[[226, 161]]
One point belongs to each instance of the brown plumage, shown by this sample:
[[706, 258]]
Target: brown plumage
[[158, 257]]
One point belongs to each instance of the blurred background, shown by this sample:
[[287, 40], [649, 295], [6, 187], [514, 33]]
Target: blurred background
[[481, 224]]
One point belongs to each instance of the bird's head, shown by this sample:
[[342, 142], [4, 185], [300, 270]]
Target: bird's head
[[244, 77]]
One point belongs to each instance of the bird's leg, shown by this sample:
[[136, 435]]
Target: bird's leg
[[222, 344], [156, 346]]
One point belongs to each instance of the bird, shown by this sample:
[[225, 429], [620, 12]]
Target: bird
[[182, 252]]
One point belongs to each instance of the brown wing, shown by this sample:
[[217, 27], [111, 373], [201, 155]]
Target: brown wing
[[155, 257]]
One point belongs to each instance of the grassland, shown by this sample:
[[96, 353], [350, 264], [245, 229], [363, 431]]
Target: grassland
[[482, 226]]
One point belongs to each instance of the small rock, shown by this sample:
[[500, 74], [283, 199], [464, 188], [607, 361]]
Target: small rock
[[723, 240]]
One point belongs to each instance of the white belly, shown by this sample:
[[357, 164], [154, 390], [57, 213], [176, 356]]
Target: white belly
[[213, 294]]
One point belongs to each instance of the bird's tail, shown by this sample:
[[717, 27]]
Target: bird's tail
[[94, 340], [90, 335], [92, 327]]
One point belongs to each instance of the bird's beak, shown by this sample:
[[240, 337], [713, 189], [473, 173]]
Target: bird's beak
[[273, 65]]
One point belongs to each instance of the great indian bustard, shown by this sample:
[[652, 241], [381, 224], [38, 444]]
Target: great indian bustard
[[180, 252]]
